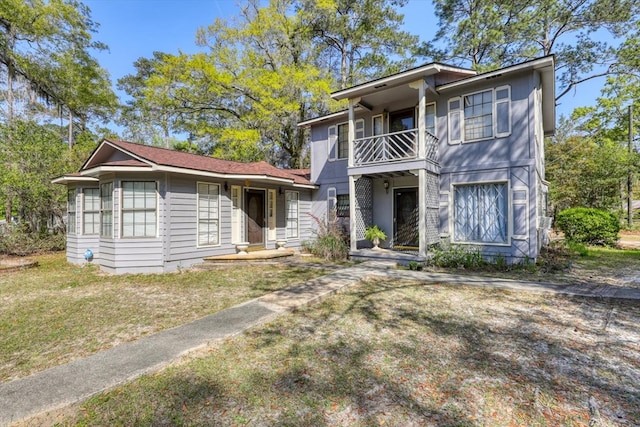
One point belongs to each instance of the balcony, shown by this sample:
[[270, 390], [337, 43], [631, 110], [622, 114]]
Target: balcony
[[391, 147]]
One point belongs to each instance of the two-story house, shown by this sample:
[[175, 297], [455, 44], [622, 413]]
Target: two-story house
[[430, 154], [439, 153]]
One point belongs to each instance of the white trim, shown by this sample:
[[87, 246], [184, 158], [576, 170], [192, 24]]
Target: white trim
[[495, 110], [544, 62], [272, 230], [313, 121], [332, 143], [523, 202], [451, 113], [67, 179], [286, 214], [111, 144], [509, 217], [198, 245], [493, 115], [398, 79], [105, 169], [237, 225]]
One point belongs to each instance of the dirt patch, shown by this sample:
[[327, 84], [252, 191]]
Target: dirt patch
[[8, 264]]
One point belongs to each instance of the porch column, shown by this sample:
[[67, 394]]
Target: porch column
[[353, 226], [352, 128], [421, 85], [422, 212]]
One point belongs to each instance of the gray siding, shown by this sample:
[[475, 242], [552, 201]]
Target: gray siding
[[517, 159]]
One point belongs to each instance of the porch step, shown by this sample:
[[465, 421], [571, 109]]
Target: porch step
[[253, 256], [385, 255]]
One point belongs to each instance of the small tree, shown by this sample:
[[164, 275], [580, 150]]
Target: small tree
[[589, 226]]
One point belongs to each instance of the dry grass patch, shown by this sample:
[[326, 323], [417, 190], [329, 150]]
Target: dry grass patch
[[58, 312], [405, 353]]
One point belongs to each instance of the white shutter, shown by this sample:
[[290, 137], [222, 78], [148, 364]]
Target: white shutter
[[332, 140], [271, 215], [236, 214], [331, 203], [455, 120], [503, 111]]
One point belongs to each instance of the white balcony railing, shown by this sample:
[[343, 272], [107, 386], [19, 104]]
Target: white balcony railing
[[393, 146]]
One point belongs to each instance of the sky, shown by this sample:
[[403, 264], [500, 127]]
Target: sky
[[137, 28]]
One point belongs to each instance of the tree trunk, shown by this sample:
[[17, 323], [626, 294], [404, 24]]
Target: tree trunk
[[70, 136]]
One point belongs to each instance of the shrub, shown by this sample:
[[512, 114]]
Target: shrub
[[17, 240], [456, 256], [331, 242], [589, 226]]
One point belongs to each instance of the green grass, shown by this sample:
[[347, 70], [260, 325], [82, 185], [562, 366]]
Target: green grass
[[58, 311], [402, 353]]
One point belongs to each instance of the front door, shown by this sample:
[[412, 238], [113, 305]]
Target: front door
[[254, 202], [405, 230]]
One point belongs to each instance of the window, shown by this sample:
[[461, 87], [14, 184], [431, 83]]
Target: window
[[71, 212], [139, 209], [378, 125], [342, 206], [106, 209], [208, 214], [401, 120], [91, 211], [291, 200], [480, 213], [478, 115]]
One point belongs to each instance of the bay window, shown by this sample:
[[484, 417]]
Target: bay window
[[91, 211]]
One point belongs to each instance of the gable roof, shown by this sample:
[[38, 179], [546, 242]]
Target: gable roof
[[114, 155]]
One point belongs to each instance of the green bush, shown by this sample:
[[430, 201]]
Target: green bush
[[456, 256], [588, 226], [331, 242], [17, 240]]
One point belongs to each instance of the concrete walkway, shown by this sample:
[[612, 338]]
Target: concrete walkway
[[76, 381]]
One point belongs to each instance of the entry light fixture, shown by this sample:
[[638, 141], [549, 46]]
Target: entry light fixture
[[280, 191], [386, 186], [226, 186]]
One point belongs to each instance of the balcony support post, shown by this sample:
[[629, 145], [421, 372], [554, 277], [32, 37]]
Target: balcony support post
[[353, 235], [422, 213], [352, 128], [421, 85]]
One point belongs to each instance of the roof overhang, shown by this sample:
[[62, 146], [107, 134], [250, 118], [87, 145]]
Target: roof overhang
[[398, 79], [103, 169], [316, 120], [545, 66], [73, 179]]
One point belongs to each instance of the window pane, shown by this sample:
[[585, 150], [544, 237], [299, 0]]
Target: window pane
[[480, 213], [478, 120], [208, 200]]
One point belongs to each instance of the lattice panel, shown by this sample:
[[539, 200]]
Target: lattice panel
[[364, 206], [432, 198]]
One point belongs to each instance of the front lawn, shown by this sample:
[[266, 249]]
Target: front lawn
[[58, 312], [404, 353]]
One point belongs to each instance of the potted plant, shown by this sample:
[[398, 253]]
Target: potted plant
[[374, 234]]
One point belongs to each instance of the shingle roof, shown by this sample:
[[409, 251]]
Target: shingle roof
[[179, 159]]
